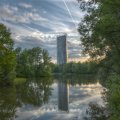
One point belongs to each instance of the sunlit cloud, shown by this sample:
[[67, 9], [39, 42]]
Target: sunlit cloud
[[37, 23], [25, 5]]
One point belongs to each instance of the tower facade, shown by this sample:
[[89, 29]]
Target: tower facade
[[61, 50]]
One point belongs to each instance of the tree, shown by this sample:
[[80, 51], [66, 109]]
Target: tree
[[33, 62], [7, 56], [100, 31], [100, 35], [113, 96], [45, 66], [8, 103], [36, 92], [97, 112]]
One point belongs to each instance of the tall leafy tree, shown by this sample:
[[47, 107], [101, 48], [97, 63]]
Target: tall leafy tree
[[100, 31], [7, 56], [33, 62], [100, 35]]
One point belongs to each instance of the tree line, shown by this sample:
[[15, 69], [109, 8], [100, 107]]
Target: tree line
[[34, 62], [76, 68]]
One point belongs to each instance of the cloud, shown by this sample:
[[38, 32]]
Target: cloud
[[37, 23], [25, 5], [10, 14]]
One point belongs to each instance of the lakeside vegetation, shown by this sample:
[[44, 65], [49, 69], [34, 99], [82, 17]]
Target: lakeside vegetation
[[100, 35], [24, 93], [32, 63], [75, 68], [7, 56]]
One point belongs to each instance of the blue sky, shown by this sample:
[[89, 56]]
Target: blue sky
[[38, 22]]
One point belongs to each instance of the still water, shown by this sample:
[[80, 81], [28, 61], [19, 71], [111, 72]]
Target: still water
[[58, 98]]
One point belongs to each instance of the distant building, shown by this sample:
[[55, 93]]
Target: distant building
[[61, 50], [62, 86]]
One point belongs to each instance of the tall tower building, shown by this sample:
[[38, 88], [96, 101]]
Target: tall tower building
[[63, 96], [61, 50]]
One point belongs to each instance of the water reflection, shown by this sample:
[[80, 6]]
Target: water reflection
[[66, 82], [63, 95], [7, 103], [34, 92], [45, 98]]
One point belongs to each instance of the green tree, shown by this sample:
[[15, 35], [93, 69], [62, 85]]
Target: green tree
[[100, 31], [113, 96], [76, 68], [97, 112], [7, 56], [100, 35], [33, 62], [45, 66], [8, 103], [36, 92]]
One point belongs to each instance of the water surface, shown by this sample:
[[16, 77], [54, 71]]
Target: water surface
[[57, 98]]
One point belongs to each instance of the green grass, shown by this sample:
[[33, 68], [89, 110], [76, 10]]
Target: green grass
[[19, 81]]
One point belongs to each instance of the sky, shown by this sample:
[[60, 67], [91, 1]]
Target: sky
[[38, 23]]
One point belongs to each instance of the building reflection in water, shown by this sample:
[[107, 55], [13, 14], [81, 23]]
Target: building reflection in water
[[63, 95]]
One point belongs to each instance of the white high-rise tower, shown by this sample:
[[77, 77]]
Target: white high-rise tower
[[61, 49]]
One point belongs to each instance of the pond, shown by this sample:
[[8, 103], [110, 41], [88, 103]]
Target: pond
[[57, 98]]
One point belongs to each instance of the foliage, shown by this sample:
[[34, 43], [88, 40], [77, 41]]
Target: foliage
[[100, 30], [36, 91], [7, 57], [111, 111], [75, 79], [7, 103], [76, 68], [97, 112], [19, 81], [28, 92], [113, 96], [33, 62], [100, 35]]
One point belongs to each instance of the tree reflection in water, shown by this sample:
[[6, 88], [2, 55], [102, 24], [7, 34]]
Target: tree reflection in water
[[7, 103], [78, 79], [33, 92]]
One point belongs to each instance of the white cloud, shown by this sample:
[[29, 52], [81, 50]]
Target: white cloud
[[25, 5], [10, 13], [42, 24]]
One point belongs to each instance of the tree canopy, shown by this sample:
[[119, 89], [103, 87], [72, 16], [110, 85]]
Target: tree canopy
[[34, 62], [100, 35], [7, 56], [100, 30]]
